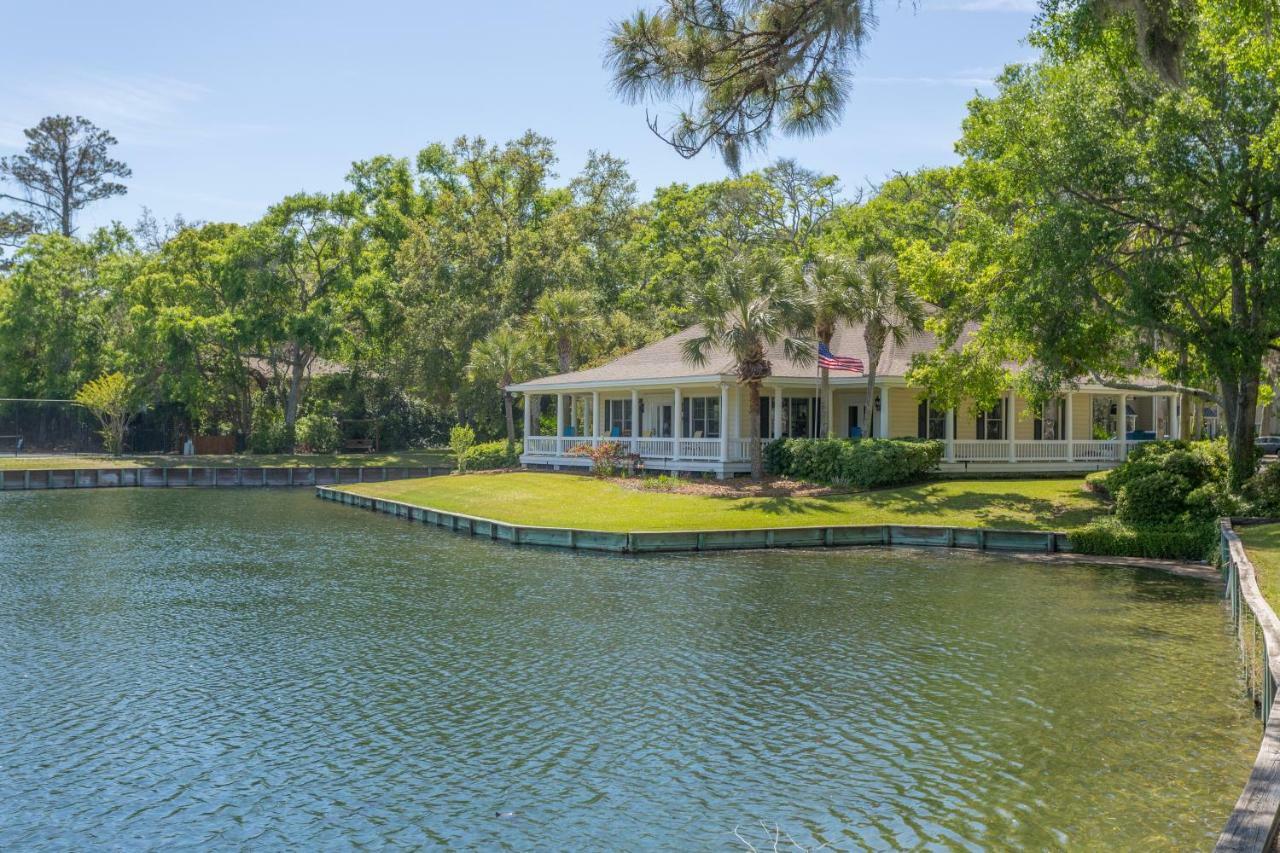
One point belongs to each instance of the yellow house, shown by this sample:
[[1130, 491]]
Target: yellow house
[[681, 418]]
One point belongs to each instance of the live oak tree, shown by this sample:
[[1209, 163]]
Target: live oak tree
[[1140, 217], [304, 261], [65, 166]]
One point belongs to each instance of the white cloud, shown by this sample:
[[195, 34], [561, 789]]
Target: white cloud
[[140, 110]]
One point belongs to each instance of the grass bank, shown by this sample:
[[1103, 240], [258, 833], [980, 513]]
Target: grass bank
[[398, 459], [566, 500], [1262, 542]]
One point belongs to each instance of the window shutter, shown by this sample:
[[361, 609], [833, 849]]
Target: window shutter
[[982, 425], [922, 419]]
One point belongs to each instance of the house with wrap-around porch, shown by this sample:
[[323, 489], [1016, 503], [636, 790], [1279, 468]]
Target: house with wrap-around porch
[[682, 418]]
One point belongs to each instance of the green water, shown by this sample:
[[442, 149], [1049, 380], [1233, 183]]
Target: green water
[[267, 670]]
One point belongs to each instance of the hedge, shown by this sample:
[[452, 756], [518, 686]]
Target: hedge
[[491, 455], [865, 463], [1109, 537]]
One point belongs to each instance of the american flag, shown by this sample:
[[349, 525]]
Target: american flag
[[838, 362]]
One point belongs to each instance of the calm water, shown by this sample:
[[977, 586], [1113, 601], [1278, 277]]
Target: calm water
[[264, 669]]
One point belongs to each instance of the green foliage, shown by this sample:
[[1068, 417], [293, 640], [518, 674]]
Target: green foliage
[[1164, 483], [461, 439], [660, 483], [1110, 537], [1096, 481], [1263, 492], [319, 433], [268, 433], [113, 400], [864, 463], [607, 457], [491, 455]]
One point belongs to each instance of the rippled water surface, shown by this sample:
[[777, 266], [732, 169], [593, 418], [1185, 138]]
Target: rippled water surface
[[264, 669]]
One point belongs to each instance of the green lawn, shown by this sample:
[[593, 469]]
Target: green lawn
[[1262, 542], [566, 500], [403, 458]]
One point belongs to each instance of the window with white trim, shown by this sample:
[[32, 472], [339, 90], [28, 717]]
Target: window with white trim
[[991, 424], [701, 417]]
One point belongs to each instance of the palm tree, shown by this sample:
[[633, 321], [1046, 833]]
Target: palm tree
[[564, 318], [829, 279], [504, 357], [746, 307], [887, 308]]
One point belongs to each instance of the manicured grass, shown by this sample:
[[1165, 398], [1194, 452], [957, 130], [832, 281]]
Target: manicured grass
[[402, 458], [1262, 543], [566, 500]]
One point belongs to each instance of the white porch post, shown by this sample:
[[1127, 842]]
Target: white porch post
[[1123, 413], [724, 423], [1175, 416], [1010, 429], [559, 419], [595, 417], [635, 418], [1071, 450], [777, 411], [951, 435], [884, 412], [528, 413], [677, 426]]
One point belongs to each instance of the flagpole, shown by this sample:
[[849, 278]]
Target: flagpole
[[817, 393]]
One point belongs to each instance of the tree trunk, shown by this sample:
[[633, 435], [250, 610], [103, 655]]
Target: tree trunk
[[869, 406], [509, 405], [297, 376], [827, 426], [753, 407], [564, 351], [1240, 393]]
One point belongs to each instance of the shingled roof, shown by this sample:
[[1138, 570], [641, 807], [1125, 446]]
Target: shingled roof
[[665, 360]]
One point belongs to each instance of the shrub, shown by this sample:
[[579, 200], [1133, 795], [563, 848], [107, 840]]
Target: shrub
[[777, 458], [268, 434], [1110, 538], [319, 433], [608, 458], [1164, 483], [491, 455], [1153, 499], [660, 483], [864, 463], [1263, 491], [111, 398], [461, 438], [1097, 482]]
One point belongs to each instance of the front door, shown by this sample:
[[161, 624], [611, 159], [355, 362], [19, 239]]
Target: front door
[[856, 426], [665, 419]]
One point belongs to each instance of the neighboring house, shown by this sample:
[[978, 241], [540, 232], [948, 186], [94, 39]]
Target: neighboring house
[[682, 418]]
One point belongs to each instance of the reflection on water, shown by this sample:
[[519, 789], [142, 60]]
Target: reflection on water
[[266, 669]]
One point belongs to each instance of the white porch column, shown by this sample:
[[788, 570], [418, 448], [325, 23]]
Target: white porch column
[[950, 435], [677, 426], [724, 423], [1010, 429], [595, 417], [635, 418], [1175, 416], [777, 411], [883, 431], [528, 413], [559, 419], [1123, 426], [1071, 450]]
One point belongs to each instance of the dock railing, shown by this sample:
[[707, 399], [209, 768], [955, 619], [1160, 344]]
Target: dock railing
[[1255, 819]]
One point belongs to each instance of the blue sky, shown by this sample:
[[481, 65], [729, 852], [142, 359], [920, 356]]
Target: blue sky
[[223, 108]]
